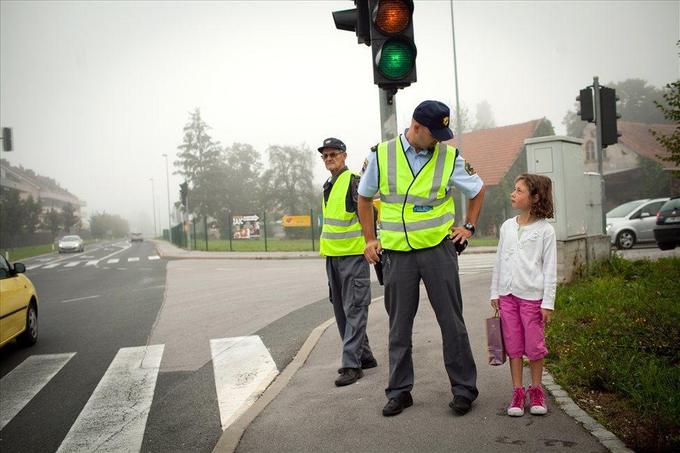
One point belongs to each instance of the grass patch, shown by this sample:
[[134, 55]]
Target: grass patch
[[615, 346]]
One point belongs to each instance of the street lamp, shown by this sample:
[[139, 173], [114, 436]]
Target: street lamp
[[167, 180], [153, 200]]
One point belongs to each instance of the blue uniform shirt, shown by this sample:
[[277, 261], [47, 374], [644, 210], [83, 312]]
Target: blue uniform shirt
[[461, 179]]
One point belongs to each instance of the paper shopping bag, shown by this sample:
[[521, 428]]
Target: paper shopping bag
[[494, 339]]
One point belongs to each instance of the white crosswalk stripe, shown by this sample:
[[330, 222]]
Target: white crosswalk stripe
[[133, 259], [20, 385], [155, 257], [92, 263], [243, 369], [51, 266], [72, 263], [112, 261], [33, 266], [114, 417]]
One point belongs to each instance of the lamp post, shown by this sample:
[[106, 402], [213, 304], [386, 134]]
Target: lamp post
[[167, 180], [153, 200]]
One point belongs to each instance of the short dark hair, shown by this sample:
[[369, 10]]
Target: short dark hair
[[541, 186]]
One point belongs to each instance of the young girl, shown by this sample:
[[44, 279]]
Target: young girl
[[523, 286]]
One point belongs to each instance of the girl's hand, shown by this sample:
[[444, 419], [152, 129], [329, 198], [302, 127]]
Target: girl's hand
[[494, 304], [547, 314]]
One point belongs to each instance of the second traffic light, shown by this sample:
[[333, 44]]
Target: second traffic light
[[392, 44]]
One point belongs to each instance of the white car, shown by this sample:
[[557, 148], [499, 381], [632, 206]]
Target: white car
[[71, 243], [633, 222]]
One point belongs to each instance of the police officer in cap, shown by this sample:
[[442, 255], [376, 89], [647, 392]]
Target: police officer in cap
[[415, 173], [343, 245]]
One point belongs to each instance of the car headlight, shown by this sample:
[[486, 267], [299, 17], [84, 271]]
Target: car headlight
[[609, 227]]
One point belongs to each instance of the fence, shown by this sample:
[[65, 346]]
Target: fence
[[251, 232]]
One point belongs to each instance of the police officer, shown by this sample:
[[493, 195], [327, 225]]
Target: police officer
[[348, 273], [415, 173]]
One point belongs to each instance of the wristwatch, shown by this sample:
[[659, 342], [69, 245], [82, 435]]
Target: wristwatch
[[470, 227]]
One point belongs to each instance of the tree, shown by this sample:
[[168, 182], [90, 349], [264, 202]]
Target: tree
[[11, 220], [32, 213], [102, 223], [53, 221], [484, 116], [671, 113], [243, 167], [636, 104], [292, 176], [200, 161], [69, 217], [466, 123]]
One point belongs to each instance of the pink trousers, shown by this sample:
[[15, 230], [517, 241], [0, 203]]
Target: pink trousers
[[522, 325]]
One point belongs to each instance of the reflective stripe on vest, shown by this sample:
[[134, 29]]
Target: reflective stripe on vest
[[418, 212], [341, 231]]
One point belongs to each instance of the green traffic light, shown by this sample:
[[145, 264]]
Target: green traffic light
[[396, 59]]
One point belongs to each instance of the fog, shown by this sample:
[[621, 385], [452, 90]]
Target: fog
[[96, 92]]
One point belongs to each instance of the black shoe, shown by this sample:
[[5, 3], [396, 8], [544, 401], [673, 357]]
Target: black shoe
[[396, 405], [460, 405], [370, 363], [349, 376]]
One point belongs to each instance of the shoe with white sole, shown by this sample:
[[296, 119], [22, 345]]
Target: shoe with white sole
[[516, 407], [537, 404]]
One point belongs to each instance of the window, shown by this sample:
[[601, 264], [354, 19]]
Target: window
[[4, 268], [652, 208]]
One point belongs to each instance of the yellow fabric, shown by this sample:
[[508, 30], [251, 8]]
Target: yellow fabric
[[341, 232]]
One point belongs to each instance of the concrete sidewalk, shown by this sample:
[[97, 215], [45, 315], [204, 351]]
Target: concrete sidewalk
[[167, 250], [311, 414]]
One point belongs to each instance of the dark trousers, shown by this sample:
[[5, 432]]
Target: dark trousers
[[437, 267], [350, 293]]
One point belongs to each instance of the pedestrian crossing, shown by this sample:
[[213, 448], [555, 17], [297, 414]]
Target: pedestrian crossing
[[115, 415], [67, 264]]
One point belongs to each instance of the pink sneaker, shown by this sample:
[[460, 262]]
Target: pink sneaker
[[538, 405], [516, 408]]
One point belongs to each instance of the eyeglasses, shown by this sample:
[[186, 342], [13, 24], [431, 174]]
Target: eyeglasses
[[325, 156]]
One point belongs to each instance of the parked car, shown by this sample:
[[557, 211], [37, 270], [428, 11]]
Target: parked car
[[136, 237], [667, 228], [633, 222], [18, 305], [71, 243]]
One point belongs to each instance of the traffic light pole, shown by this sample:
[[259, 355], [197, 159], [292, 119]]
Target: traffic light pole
[[598, 125], [388, 114]]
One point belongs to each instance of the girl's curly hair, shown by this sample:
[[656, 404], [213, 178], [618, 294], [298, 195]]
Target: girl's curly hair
[[541, 186]]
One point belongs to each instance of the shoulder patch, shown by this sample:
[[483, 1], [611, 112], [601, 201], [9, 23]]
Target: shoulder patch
[[363, 167], [469, 169]]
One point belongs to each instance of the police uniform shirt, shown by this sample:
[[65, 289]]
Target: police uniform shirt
[[463, 177], [351, 198]]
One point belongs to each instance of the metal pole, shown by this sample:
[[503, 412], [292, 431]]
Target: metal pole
[[153, 201], [231, 249], [264, 223], [190, 220], [311, 224], [388, 114], [167, 180], [600, 170], [459, 127], [205, 229]]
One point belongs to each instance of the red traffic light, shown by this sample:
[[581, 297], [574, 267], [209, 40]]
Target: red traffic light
[[392, 16]]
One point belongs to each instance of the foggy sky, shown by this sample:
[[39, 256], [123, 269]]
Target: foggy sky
[[97, 91]]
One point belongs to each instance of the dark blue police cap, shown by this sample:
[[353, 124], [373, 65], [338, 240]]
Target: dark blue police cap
[[332, 142], [435, 116]]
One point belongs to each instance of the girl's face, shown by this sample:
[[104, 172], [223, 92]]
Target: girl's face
[[520, 196]]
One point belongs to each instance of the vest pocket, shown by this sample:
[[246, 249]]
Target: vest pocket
[[361, 292]]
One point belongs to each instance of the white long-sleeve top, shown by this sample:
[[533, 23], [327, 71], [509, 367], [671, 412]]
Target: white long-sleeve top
[[526, 262]]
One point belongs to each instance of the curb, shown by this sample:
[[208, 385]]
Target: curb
[[562, 398], [232, 435]]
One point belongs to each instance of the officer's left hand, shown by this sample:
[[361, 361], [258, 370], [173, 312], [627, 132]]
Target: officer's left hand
[[460, 233]]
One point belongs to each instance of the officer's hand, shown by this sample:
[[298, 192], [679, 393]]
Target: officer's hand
[[372, 251], [459, 234]]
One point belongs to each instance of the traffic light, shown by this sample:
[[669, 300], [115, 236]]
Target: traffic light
[[608, 98], [356, 20], [7, 139], [585, 99], [183, 193], [394, 50]]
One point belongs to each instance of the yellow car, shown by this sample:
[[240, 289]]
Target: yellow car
[[18, 305]]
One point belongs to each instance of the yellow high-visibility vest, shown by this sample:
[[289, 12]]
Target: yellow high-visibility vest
[[341, 231], [416, 212]]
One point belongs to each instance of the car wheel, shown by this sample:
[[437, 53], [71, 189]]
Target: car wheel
[[625, 239], [30, 336], [666, 245]]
